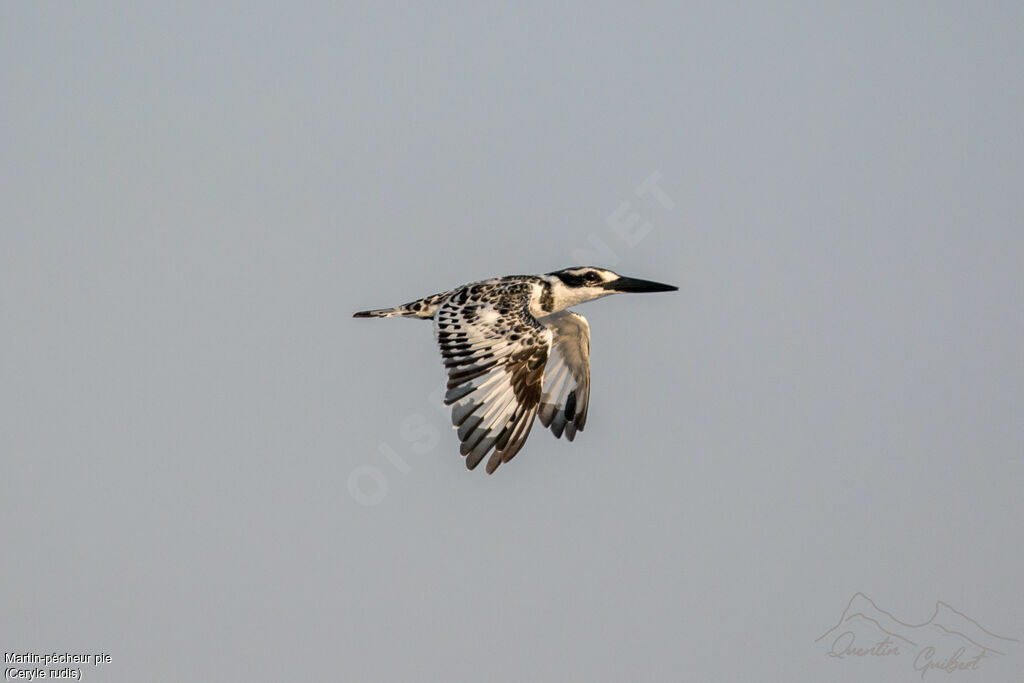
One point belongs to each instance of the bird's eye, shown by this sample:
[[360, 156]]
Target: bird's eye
[[592, 277]]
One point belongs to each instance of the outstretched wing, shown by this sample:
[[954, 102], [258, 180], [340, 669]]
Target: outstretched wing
[[566, 395], [494, 352]]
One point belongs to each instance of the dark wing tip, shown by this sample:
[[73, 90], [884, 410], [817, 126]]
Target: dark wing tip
[[362, 314]]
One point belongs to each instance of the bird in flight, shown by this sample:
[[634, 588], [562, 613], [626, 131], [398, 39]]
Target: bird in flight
[[514, 351]]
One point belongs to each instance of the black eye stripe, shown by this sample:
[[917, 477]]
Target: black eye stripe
[[570, 280]]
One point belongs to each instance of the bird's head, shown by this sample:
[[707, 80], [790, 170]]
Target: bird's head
[[585, 283]]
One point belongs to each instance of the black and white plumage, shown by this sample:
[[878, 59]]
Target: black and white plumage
[[514, 352]]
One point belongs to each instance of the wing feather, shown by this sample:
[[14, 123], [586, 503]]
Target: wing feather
[[495, 352], [566, 396]]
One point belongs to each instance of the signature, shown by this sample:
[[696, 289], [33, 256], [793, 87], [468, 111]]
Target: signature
[[949, 641], [925, 661], [842, 647]]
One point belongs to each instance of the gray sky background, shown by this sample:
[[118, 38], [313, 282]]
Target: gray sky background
[[194, 199]]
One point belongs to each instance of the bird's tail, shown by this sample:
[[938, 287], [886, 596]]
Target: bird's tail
[[421, 308], [384, 312]]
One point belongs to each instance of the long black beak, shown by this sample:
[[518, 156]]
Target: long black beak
[[634, 286]]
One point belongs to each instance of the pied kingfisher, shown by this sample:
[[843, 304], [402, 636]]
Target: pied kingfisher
[[513, 351]]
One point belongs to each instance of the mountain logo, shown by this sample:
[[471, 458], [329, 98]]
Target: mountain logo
[[950, 641]]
